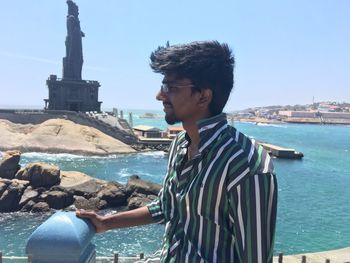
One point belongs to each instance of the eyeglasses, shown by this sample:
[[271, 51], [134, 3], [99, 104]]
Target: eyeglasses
[[172, 87]]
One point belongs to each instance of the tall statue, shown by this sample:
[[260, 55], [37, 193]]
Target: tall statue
[[73, 61]]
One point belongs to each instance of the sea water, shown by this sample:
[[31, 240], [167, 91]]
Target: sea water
[[313, 193]]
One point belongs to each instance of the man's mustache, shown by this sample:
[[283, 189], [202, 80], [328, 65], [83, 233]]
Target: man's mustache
[[167, 104]]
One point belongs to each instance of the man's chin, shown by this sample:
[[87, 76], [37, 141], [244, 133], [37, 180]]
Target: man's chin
[[171, 120]]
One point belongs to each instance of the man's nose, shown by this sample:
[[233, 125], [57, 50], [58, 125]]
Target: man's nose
[[160, 95]]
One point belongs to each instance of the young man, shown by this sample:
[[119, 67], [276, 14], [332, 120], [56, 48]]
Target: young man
[[219, 196]]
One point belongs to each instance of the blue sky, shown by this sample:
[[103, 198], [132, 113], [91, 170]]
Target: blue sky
[[286, 51]]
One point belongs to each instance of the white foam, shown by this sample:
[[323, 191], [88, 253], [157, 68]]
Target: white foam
[[271, 125], [156, 153], [69, 156]]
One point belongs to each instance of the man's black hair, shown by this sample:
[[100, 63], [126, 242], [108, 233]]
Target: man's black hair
[[207, 64]]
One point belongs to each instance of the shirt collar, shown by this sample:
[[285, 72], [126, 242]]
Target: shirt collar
[[209, 130]]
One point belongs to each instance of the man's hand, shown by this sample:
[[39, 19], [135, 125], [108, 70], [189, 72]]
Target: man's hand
[[96, 220], [137, 217]]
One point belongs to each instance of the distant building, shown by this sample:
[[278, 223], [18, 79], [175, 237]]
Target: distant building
[[298, 114], [173, 131], [147, 131], [328, 108]]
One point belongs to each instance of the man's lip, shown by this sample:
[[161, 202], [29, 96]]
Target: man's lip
[[167, 107]]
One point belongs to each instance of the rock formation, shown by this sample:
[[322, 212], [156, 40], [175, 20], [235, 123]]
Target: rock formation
[[56, 136], [39, 187], [10, 164]]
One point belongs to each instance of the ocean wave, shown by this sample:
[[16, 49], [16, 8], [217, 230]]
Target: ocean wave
[[125, 172], [155, 154], [271, 125], [52, 155], [69, 156]]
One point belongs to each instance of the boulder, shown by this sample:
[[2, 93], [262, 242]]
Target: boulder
[[114, 193], [6, 181], [3, 187], [135, 184], [40, 174], [28, 195], [9, 200], [87, 189], [9, 164], [40, 207], [23, 184], [28, 206], [137, 200], [42, 197], [59, 200], [93, 203]]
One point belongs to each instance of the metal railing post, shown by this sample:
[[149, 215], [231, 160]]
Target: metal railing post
[[280, 258], [116, 257]]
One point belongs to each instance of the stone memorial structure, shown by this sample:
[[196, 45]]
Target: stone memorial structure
[[72, 92]]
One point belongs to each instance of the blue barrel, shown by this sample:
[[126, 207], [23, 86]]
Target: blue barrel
[[63, 238]]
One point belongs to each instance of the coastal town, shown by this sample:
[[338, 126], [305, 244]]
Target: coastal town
[[316, 113]]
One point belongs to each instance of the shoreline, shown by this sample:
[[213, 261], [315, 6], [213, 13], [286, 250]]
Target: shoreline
[[293, 121]]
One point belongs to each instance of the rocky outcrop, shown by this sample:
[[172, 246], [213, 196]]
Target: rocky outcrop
[[59, 136], [9, 200], [10, 164], [28, 195], [40, 207], [93, 203], [39, 187], [135, 184], [141, 192], [40, 174], [59, 200], [137, 200], [114, 194]]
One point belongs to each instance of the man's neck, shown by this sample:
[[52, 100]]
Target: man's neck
[[192, 131]]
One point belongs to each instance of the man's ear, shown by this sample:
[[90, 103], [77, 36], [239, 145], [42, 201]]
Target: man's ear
[[206, 96]]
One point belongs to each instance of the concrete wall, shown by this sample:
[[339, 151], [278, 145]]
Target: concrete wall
[[307, 114], [336, 115]]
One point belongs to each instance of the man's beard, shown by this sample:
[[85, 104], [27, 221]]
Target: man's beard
[[171, 119]]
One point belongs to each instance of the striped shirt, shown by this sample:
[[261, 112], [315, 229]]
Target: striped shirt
[[220, 206]]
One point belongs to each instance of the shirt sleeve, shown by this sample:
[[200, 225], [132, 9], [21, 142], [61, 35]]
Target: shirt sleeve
[[252, 210], [155, 209]]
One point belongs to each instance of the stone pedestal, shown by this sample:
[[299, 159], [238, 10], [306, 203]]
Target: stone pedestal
[[72, 95]]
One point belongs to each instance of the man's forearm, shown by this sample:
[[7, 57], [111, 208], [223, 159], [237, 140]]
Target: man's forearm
[[139, 216]]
